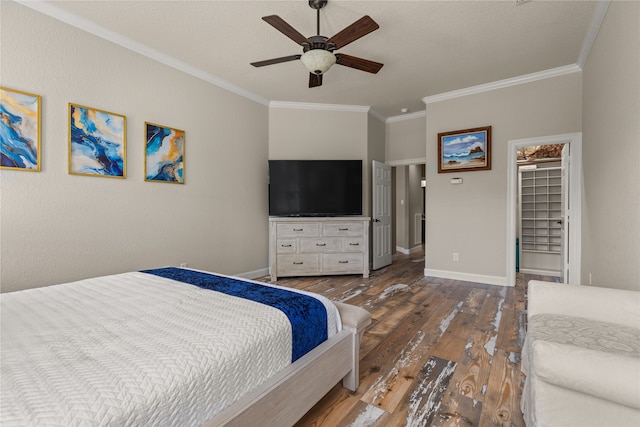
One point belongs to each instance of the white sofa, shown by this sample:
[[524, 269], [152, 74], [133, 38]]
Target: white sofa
[[581, 356]]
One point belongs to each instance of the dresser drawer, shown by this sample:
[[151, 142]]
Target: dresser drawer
[[321, 245], [318, 246], [302, 264], [343, 229], [302, 229], [353, 244], [342, 262], [284, 246]]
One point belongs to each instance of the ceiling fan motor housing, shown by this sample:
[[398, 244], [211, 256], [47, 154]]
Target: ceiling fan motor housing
[[318, 42], [317, 4]]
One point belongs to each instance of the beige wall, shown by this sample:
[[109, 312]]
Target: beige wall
[[470, 218], [376, 146], [611, 152], [405, 139], [57, 227], [296, 132], [405, 149]]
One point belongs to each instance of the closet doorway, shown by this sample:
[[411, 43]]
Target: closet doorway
[[544, 207], [541, 221]]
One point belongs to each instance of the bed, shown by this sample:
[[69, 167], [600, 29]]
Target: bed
[[172, 347]]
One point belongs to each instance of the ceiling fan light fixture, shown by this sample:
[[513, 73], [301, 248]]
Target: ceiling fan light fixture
[[318, 61]]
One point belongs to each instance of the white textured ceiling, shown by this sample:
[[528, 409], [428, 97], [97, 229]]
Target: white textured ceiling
[[427, 47]]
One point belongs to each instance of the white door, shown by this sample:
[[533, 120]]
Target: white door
[[566, 211], [381, 201]]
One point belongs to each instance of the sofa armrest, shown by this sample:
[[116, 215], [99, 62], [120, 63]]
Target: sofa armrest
[[602, 304]]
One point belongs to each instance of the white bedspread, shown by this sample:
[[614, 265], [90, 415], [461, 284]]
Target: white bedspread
[[134, 350]]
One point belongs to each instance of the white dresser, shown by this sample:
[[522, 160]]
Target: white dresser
[[318, 246]]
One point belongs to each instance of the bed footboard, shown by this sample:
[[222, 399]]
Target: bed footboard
[[287, 396], [356, 320]]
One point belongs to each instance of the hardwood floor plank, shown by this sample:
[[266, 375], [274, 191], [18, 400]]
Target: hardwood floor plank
[[454, 340], [439, 352], [501, 406], [472, 375], [460, 411], [425, 400]]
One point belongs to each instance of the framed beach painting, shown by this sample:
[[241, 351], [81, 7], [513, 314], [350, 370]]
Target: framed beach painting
[[20, 121], [164, 154], [97, 142], [464, 150]]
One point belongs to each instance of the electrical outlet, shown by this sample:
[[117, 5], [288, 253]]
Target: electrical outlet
[[456, 256], [183, 264]]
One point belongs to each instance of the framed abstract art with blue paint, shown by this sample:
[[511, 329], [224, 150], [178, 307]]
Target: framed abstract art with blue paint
[[97, 142], [19, 130], [164, 154]]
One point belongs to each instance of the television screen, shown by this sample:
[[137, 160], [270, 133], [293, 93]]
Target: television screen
[[315, 187]]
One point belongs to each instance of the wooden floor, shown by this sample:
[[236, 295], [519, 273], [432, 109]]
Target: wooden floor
[[439, 352]]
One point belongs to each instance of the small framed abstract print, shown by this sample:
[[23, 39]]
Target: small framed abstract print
[[464, 150], [97, 142], [164, 154], [20, 120]]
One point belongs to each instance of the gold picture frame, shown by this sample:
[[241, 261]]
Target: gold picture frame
[[97, 142], [164, 154], [20, 146]]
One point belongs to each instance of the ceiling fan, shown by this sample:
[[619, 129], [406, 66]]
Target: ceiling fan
[[318, 51]]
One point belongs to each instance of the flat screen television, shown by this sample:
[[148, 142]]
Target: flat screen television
[[315, 187]]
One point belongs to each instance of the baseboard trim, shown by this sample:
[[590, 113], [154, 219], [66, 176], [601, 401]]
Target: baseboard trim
[[552, 273], [408, 251], [256, 274], [467, 277]]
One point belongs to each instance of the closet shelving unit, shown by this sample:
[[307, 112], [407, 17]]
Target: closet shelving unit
[[541, 210]]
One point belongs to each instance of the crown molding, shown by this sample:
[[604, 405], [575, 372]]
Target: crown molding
[[312, 106], [55, 12], [590, 38], [377, 115], [410, 116], [500, 84]]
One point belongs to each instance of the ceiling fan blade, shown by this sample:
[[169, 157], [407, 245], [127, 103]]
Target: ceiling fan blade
[[281, 25], [353, 32], [275, 60], [358, 63], [315, 80]]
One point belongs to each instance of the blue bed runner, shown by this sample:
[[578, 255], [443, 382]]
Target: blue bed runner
[[307, 315]]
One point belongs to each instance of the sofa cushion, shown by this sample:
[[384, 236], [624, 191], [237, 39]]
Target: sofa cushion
[[598, 358]]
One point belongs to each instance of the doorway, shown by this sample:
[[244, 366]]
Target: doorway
[[540, 214], [409, 207], [572, 170]]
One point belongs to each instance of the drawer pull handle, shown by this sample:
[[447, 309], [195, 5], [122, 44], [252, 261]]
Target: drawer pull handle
[[298, 262], [343, 262], [298, 229], [344, 229], [354, 244], [321, 244], [286, 246]]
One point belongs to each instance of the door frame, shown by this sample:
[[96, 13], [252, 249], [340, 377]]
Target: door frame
[[575, 201]]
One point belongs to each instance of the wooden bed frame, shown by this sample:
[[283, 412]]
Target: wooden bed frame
[[287, 396]]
